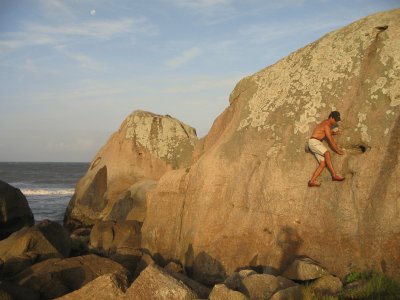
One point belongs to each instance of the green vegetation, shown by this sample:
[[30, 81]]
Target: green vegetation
[[369, 285]]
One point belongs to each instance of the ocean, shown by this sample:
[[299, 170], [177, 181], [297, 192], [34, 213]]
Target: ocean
[[48, 187]]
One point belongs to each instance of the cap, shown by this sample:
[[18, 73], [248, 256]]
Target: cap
[[336, 115]]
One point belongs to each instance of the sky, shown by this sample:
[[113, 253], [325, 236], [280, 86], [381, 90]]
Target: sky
[[72, 70]]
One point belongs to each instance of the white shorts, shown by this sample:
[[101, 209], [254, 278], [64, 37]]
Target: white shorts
[[317, 148]]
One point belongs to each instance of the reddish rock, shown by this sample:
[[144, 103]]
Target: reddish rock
[[245, 201]]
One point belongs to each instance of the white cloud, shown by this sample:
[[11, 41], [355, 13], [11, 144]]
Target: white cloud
[[203, 83], [201, 3], [55, 6], [268, 32], [183, 58], [40, 34]]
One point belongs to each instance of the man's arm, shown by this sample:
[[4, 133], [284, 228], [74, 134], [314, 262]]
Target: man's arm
[[328, 135]]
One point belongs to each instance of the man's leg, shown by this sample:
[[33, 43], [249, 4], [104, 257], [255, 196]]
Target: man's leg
[[328, 160], [317, 172]]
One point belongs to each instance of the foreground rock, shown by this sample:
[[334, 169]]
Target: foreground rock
[[15, 212], [119, 241], [249, 184], [126, 168], [17, 292], [304, 269], [27, 246], [109, 286], [327, 285], [222, 292], [290, 293], [54, 278], [263, 286], [156, 284]]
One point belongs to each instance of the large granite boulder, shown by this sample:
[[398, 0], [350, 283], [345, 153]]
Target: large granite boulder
[[15, 212], [140, 152], [56, 277], [245, 201], [27, 246]]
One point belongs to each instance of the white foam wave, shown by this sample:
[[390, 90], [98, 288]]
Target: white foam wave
[[48, 192]]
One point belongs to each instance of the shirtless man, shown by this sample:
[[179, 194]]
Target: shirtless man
[[321, 152]]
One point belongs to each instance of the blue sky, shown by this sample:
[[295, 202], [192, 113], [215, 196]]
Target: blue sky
[[72, 70]]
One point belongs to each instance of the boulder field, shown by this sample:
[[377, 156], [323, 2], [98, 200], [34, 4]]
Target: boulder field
[[239, 197]]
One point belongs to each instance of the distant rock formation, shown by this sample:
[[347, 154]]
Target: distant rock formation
[[127, 167], [245, 201], [15, 212]]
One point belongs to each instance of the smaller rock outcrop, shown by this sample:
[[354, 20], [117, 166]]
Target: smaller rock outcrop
[[15, 212], [27, 246], [155, 283], [127, 167]]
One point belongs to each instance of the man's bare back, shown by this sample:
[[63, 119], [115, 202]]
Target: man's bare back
[[323, 130]]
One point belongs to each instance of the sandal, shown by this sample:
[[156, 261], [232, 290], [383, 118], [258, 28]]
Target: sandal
[[313, 184]]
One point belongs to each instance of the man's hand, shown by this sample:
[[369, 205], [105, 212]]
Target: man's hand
[[340, 151], [335, 131]]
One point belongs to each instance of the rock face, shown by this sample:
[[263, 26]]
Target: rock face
[[126, 168], [27, 246], [245, 201], [15, 212]]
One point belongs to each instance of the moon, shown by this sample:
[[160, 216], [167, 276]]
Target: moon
[[93, 12]]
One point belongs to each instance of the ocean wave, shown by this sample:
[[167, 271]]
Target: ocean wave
[[48, 192]]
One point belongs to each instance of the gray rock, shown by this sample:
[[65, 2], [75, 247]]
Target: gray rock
[[15, 212]]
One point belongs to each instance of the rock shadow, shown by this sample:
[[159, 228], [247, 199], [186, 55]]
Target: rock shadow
[[289, 241], [388, 166]]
